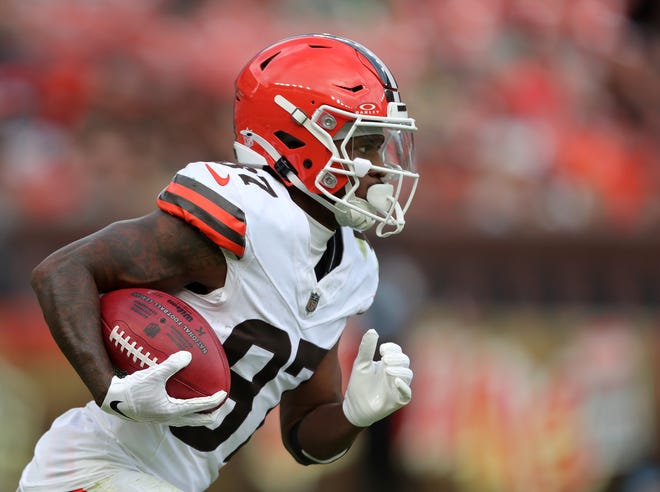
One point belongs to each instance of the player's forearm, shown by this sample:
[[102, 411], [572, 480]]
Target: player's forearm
[[325, 432], [69, 301]]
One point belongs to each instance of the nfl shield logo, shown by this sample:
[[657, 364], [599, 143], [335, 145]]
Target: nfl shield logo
[[313, 302], [152, 330]]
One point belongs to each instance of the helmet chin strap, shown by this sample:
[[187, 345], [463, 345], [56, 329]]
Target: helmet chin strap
[[379, 199], [352, 218], [345, 216]]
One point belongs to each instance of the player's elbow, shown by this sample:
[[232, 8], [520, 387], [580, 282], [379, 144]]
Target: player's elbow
[[46, 272], [299, 455], [299, 458], [41, 273], [293, 446], [304, 458]]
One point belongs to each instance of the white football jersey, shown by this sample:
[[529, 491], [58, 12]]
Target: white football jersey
[[275, 319]]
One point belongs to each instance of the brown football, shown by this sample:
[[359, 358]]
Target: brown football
[[142, 327]]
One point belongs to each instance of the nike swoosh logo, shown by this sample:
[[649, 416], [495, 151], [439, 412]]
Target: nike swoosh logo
[[114, 404], [222, 181]]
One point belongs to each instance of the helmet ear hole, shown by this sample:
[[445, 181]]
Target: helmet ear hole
[[289, 140]]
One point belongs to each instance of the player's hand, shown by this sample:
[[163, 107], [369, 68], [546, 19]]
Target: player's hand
[[377, 388], [141, 397]]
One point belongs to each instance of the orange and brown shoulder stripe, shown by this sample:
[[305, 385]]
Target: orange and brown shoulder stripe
[[218, 218]]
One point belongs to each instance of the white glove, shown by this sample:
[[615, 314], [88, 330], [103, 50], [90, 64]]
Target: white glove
[[142, 397], [376, 389]]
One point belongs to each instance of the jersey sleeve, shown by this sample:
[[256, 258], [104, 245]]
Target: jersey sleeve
[[201, 206]]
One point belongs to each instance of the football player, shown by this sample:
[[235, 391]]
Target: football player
[[271, 251]]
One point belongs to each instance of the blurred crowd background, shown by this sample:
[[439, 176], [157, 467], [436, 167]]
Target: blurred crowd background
[[525, 287]]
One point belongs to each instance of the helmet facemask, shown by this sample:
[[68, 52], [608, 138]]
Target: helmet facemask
[[366, 145]]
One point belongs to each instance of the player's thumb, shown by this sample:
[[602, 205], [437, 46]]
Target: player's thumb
[[367, 349], [218, 398], [405, 392], [175, 362]]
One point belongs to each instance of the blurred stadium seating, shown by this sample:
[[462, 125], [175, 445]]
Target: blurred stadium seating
[[533, 240]]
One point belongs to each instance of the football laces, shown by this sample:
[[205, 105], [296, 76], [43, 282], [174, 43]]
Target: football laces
[[123, 341]]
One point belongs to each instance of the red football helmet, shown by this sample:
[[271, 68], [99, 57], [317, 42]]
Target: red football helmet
[[299, 104]]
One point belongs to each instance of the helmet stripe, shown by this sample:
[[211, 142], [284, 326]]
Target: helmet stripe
[[381, 69]]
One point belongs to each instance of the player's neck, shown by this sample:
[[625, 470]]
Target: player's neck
[[319, 237], [315, 210]]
